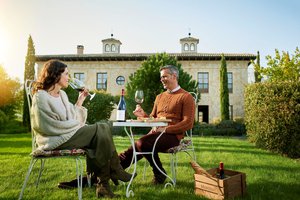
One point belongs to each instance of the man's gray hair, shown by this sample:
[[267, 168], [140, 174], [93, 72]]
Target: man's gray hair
[[172, 69]]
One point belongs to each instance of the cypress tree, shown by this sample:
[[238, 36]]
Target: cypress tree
[[224, 94], [257, 74], [28, 74]]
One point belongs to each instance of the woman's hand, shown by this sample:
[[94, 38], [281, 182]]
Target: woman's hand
[[82, 95]]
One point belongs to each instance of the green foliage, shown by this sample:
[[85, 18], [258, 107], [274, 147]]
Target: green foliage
[[3, 119], [12, 127], [282, 67], [222, 128], [10, 94], [272, 113], [99, 108], [28, 74], [224, 94], [147, 78]]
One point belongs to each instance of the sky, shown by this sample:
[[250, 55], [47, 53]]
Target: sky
[[146, 26]]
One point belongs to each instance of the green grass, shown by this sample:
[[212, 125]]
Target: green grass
[[269, 176]]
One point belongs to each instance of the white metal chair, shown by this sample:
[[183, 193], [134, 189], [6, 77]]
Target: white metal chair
[[44, 155], [186, 145]]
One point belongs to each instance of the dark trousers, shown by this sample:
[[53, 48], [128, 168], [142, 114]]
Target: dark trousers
[[145, 144], [97, 140]]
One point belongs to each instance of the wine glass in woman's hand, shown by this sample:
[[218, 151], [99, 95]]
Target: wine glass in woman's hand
[[139, 96], [78, 85]]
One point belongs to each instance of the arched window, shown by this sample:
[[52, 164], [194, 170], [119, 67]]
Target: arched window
[[113, 48], [186, 47], [192, 47], [120, 80], [107, 48]]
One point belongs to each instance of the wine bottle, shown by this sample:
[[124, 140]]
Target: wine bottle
[[121, 108], [221, 171]]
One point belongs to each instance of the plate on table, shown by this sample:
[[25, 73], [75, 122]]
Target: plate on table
[[146, 119]]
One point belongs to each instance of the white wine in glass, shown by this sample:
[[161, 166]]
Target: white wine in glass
[[139, 96], [78, 85]]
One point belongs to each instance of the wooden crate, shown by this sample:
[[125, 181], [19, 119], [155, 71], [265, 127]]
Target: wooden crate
[[233, 185]]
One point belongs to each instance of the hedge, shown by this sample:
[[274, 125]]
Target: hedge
[[272, 116]]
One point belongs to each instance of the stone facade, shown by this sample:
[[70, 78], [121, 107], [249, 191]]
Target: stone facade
[[117, 64]]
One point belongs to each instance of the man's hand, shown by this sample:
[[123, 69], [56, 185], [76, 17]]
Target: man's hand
[[159, 129], [139, 112]]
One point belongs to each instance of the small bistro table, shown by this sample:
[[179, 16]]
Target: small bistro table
[[137, 123]]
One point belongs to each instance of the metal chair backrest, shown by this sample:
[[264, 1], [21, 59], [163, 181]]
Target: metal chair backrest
[[29, 94], [189, 133], [195, 96]]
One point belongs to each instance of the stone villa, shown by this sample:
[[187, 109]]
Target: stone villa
[[110, 70]]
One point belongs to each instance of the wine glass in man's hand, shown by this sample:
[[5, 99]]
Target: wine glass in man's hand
[[78, 85], [139, 96]]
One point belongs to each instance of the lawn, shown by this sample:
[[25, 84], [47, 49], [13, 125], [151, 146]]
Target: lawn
[[269, 176]]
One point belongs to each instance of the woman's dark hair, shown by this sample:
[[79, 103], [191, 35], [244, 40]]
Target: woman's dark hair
[[50, 74]]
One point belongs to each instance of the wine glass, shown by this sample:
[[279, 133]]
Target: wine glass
[[78, 85], [139, 96]]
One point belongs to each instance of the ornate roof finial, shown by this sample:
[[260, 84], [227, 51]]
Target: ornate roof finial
[[189, 32], [111, 35]]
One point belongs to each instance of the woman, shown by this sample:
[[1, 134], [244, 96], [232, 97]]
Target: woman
[[58, 124]]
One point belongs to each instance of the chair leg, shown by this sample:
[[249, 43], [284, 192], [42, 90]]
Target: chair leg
[[173, 166], [194, 155], [79, 172], [89, 179], [31, 165], [40, 172]]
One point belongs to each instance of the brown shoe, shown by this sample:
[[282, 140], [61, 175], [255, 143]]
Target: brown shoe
[[73, 183], [103, 190], [158, 179], [122, 176]]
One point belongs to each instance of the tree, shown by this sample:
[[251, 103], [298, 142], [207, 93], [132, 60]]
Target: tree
[[10, 92], [257, 69], [224, 94], [147, 78], [282, 67], [28, 74]]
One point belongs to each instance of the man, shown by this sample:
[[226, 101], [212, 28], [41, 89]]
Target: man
[[175, 104]]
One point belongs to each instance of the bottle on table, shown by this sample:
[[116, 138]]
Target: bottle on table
[[121, 108], [221, 171]]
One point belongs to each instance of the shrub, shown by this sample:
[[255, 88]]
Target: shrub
[[13, 127], [272, 115], [224, 128], [202, 128], [230, 128], [3, 119], [99, 108]]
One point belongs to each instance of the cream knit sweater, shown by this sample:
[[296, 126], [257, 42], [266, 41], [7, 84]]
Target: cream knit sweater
[[52, 124]]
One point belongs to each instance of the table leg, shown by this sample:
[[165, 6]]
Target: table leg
[[167, 184], [133, 161]]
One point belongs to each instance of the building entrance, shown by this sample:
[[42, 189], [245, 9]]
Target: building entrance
[[203, 114]]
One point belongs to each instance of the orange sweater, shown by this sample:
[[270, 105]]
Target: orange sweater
[[178, 106]]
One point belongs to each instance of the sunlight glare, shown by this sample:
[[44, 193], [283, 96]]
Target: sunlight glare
[[3, 46]]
